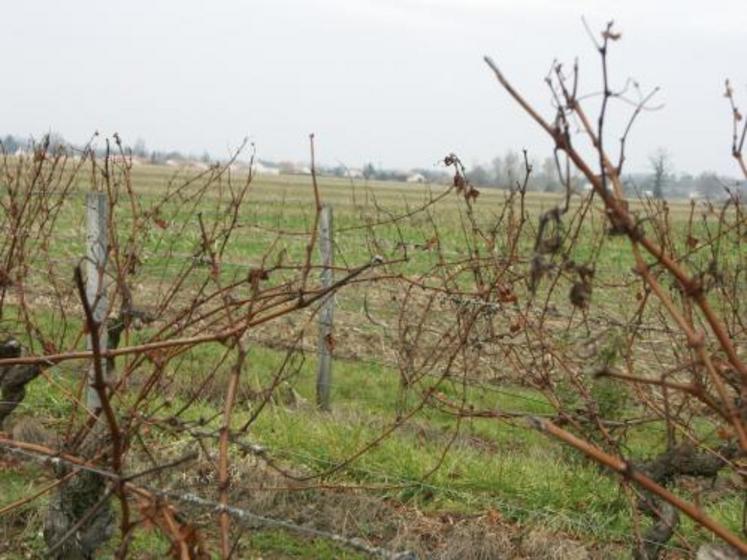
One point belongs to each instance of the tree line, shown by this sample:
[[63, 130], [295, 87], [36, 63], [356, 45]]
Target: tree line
[[660, 180]]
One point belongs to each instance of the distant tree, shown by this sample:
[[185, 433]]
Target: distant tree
[[549, 175], [139, 149], [174, 155], [478, 175], [389, 175], [709, 185], [369, 171], [686, 177], [685, 183], [511, 164], [10, 144], [498, 176], [661, 167], [56, 141], [579, 184]]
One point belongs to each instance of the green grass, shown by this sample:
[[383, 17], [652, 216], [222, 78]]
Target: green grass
[[522, 474], [278, 544], [491, 464]]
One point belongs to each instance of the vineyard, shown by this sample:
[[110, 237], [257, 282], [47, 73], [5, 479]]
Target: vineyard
[[215, 364]]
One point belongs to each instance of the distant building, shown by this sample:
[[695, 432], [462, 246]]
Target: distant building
[[264, 169], [198, 165], [415, 178], [583, 188], [354, 173], [238, 166]]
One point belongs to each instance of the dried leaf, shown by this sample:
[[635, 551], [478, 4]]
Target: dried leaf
[[580, 294], [506, 295], [612, 35], [430, 244], [517, 324]]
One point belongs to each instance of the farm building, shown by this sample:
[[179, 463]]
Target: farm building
[[264, 169]]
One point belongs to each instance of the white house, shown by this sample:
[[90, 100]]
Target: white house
[[198, 165], [262, 169], [415, 178]]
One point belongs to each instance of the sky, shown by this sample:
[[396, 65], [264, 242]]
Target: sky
[[399, 83]]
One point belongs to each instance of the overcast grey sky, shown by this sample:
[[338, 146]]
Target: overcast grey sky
[[396, 82]]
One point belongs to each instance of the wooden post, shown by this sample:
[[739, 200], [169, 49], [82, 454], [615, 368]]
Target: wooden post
[[326, 313], [97, 211]]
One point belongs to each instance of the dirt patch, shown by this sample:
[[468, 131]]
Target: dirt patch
[[384, 522]]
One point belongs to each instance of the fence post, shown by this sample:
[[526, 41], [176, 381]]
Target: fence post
[[67, 521], [326, 313], [97, 211]]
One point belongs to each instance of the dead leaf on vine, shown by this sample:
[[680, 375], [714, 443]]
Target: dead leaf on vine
[[517, 324], [506, 295], [156, 356], [430, 244], [612, 35]]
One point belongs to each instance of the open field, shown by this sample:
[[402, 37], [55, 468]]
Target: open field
[[441, 484]]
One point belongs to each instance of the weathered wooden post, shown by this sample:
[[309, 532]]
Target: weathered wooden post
[[68, 530], [326, 313], [97, 214]]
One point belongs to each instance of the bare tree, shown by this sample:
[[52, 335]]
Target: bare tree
[[661, 168]]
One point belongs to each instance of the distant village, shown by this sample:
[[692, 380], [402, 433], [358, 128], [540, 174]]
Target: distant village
[[503, 172]]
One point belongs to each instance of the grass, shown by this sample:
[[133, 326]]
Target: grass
[[493, 466], [278, 544], [488, 465]]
